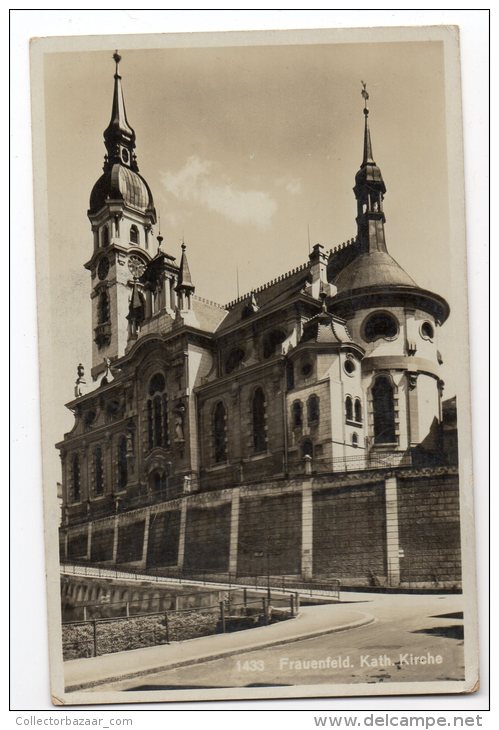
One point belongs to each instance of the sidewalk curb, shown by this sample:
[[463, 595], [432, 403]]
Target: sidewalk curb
[[364, 621]]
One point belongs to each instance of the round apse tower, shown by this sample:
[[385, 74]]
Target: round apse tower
[[396, 322]]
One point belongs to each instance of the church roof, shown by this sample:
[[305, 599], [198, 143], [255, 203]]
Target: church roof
[[373, 269], [277, 291]]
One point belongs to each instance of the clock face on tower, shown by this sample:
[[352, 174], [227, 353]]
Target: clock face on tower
[[136, 266], [103, 268]]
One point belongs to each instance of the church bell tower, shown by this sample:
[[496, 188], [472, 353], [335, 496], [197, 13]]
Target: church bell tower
[[121, 214]]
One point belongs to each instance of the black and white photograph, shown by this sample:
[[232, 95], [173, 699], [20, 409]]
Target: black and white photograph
[[254, 365]]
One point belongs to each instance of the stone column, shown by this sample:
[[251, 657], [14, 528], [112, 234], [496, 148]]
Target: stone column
[[306, 530], [143, 562], [181, 537], [115, 539], [392, 532], [234, 530]]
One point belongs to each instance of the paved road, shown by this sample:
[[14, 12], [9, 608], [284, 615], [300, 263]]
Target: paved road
[[408, 631]]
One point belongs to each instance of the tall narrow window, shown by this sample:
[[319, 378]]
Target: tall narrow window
[[165, 420], [157, 412], [158, 421], [75, 468], [103, 313], [358, 410], [150, 425], [259, 421], [297, 414], [134, 235], [290, 375], [348, 408], [99, 471], [384, 411], [122, 463], [313, 409], [158, 482], [220, 433], [307, 448], [105, 237]]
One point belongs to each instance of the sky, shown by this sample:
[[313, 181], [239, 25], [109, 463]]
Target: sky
[[249, 152]]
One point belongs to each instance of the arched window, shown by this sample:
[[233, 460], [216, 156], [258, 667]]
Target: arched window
[[358, 410], [75, 474], [105, 236], [348, 408], [259, 407], [122, 463], [384, 411], [220, 433], [157, 412], [297, 414], [134, 235], [103, 310], [157, 481], [313, 411], [98, 471]]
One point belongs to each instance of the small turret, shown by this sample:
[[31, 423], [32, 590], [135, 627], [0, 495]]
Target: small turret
[[185, 288]]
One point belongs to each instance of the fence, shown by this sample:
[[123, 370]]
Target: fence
[[277, 584], [109, 635]]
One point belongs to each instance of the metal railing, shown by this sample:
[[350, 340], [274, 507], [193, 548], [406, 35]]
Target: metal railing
[[176, 576], [99, 635]]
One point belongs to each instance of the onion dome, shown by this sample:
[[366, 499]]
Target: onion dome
[[121, 183]]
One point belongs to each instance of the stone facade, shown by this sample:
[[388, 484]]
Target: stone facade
[[298, 430]]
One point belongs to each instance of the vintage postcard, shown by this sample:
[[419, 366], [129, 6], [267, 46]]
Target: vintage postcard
[[254, 366]]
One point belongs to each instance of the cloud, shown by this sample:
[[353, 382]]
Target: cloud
[[195, 182], [291, 185]]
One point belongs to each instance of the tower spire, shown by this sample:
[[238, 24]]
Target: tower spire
[[369, 191], [119, 136], [368, 151], [185, 288]]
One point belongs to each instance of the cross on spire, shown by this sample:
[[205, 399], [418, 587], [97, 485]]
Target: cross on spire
[[365, 96]]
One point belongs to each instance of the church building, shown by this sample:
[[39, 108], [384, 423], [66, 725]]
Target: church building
[[297, 431]]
